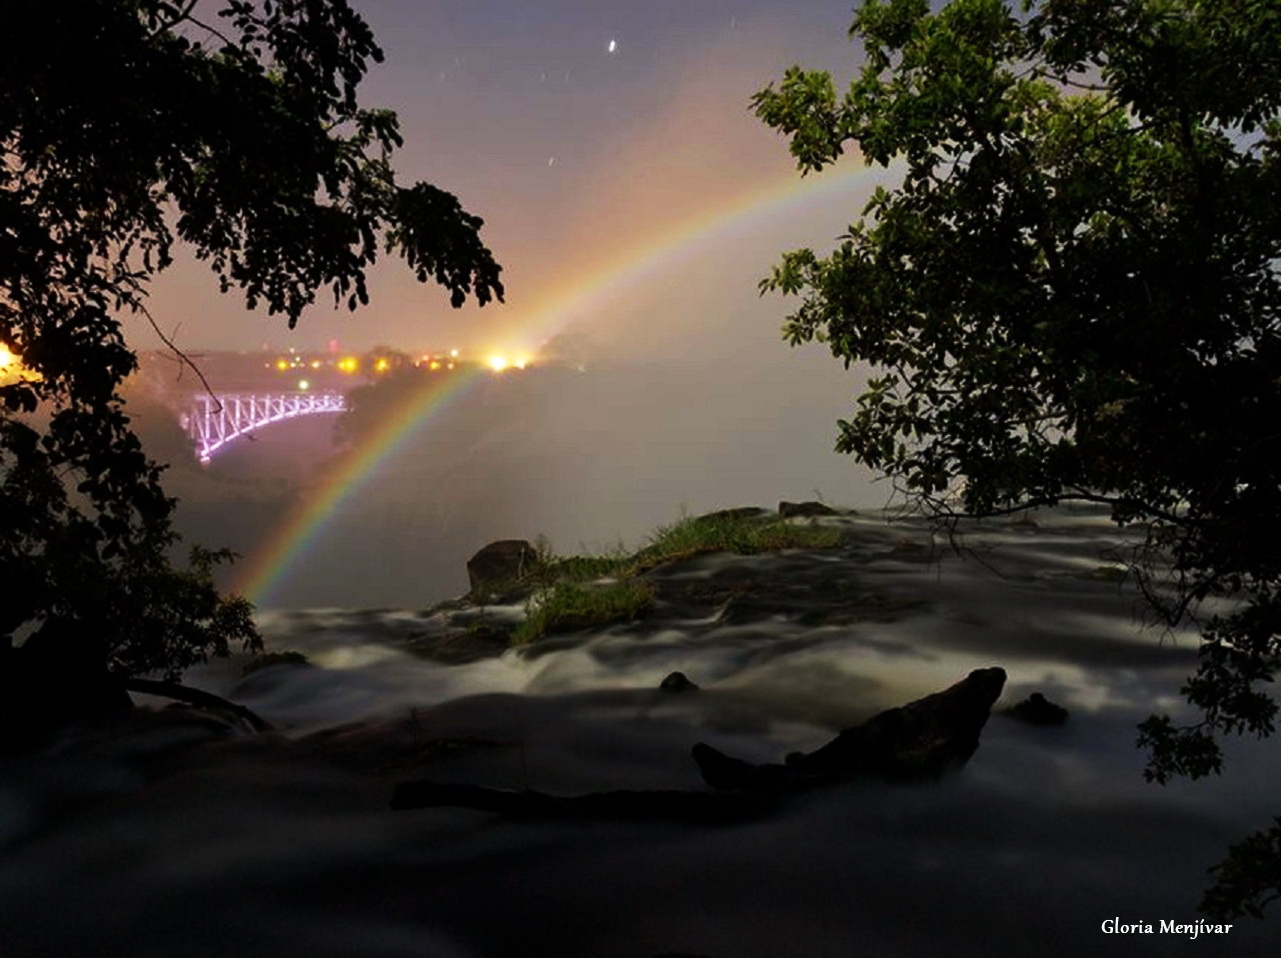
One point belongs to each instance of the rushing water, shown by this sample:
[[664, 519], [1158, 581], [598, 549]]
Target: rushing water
[[170, 837]]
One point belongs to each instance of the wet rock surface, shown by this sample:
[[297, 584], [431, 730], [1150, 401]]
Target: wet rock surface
[[811, 587]]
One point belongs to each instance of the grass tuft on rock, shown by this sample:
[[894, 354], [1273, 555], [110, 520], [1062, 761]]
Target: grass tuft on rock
[[553, 569], [571, 605], [568, 592], [728, 532]]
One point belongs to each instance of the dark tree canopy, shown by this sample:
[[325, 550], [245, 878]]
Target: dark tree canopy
[[1074, 294], [127, 126]]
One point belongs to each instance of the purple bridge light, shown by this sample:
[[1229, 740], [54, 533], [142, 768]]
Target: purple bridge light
[[212, 422]]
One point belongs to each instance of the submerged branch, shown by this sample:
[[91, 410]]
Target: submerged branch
[[198, 697]]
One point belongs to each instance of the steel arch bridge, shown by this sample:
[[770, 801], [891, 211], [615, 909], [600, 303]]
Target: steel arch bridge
[[214, 421]]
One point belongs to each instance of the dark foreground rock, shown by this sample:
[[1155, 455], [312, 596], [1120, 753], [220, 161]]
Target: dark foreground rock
[[922, 739]]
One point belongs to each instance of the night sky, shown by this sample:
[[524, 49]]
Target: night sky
[[579, 159]]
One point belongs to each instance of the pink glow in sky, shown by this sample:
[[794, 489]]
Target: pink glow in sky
[[576, 156]]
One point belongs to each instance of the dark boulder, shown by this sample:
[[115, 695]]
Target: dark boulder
[[500, 564], [789, 510], [1036, 709], [677, 682]]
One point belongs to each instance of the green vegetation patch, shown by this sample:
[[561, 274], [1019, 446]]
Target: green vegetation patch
[[726, 532], [582, 568], [569, 605], [568, 594]]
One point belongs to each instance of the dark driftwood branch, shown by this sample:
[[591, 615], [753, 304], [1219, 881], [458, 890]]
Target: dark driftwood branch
[[919, 740], [199, 697], [922, 739]]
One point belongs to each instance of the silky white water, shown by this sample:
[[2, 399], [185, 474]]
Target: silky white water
[[147, 842]]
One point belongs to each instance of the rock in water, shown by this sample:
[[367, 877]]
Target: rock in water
[[1036, 709], [677, 682], [500, 564], [919, 740], [789, 509]]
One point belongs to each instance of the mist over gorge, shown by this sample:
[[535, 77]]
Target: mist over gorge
[[586, 458]]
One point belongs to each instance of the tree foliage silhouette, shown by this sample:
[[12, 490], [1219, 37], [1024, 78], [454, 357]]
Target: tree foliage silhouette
[[127, 126], [1075, 295]]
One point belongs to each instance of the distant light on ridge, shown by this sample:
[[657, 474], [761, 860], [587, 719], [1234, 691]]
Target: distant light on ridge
[[12, 369], [498, 363]]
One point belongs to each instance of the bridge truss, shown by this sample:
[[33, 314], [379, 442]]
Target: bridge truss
[[214, 421]]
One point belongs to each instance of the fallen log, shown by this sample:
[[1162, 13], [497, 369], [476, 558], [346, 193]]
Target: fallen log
[[921, 739]]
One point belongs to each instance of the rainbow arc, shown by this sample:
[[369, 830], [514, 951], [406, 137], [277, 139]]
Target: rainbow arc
[[302, 528]]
